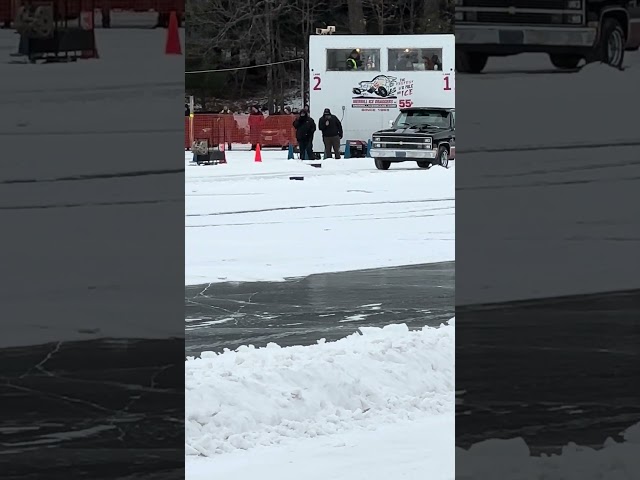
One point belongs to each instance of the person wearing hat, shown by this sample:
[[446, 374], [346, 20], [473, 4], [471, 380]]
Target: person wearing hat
[[353, 60], [331, 129], [305, 128]]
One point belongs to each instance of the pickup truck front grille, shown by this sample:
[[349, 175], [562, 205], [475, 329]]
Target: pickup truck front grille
[[520, 19], [519, 12], [402, 142]]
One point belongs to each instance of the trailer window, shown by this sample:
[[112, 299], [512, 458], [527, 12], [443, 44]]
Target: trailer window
[[415, 59], [353, 59]]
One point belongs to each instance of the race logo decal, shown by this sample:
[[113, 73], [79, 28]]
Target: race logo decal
[[375, 94], [405, 88]]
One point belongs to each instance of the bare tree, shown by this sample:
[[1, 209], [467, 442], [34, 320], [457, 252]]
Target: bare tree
[[232, 34], [357, 22]]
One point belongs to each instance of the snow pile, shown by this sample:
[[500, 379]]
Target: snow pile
[[248, 221], [258, 397], [511, 459]]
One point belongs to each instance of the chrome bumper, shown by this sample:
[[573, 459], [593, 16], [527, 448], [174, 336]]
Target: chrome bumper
[[521, 35], [390, 153]]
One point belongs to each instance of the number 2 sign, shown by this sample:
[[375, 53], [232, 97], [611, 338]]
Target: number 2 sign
[[316, 82]]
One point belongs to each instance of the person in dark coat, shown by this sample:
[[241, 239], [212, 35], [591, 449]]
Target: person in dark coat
[[331, 129], [305, 128], [256, 122]]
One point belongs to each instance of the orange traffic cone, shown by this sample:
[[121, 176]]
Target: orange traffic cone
[[224, 153], [173, 46], [258, 154]]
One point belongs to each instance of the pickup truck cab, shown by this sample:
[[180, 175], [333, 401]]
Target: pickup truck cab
[[423, 135]]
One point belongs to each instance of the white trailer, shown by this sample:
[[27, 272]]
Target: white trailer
[[393, 71]]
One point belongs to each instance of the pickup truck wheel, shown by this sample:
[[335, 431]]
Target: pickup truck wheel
[[611, 45], [565, 62], [382, 164], [423, 164], [443, 157], [471, 62]]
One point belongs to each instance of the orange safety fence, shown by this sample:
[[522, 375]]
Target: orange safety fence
[[268, 130], [9, 8]]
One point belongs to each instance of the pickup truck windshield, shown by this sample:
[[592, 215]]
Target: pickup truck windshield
[[423, 118]]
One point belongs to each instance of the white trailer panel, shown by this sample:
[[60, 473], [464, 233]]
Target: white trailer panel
[[395, 71]]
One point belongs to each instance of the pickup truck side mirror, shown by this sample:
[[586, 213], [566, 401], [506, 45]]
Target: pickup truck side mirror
[[390, 123]]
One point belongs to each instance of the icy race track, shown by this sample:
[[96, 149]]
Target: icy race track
[[322, 205]]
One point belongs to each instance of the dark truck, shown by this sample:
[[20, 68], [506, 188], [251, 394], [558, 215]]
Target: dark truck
[[426, 136], [568, 30]]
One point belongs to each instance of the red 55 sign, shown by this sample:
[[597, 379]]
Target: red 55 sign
[[405, 103]]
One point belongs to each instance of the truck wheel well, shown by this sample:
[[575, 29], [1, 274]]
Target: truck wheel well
[[619, 15]]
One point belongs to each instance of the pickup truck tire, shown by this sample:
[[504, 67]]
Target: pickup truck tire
[[423, 164], [443, 156], [471, 62], [565, 62], [382, 164], [611, 44]]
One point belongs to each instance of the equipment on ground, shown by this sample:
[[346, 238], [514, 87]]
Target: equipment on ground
[[56, 30]]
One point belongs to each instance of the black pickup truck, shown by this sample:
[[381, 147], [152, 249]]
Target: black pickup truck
[[426, 136], [567, 30]]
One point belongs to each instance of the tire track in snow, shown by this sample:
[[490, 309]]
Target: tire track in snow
[[329, 205]]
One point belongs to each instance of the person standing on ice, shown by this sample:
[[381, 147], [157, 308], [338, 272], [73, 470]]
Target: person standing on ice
[[256, 121], [331, 129], [305, 128]]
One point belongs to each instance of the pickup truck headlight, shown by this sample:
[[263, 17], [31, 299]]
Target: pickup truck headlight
[[376, 139], [574, 19], [574, 4], [377, 145]]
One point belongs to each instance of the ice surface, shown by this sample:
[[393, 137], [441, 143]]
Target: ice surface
[[243, 399], [248, 221]]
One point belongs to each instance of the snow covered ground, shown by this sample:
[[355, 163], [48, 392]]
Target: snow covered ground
[[589, 118], [109, 109], [594, 107], [249, 221], [367, 406]]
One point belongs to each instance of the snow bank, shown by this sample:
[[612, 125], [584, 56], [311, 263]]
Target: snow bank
[[257, 397], [248, 221], [511, 459]]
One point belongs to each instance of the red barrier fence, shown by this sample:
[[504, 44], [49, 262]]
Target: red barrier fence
[[8, 8], [268, 131]]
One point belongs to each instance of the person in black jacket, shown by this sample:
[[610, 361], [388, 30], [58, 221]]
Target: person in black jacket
[[305, 128], [331, 129]]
